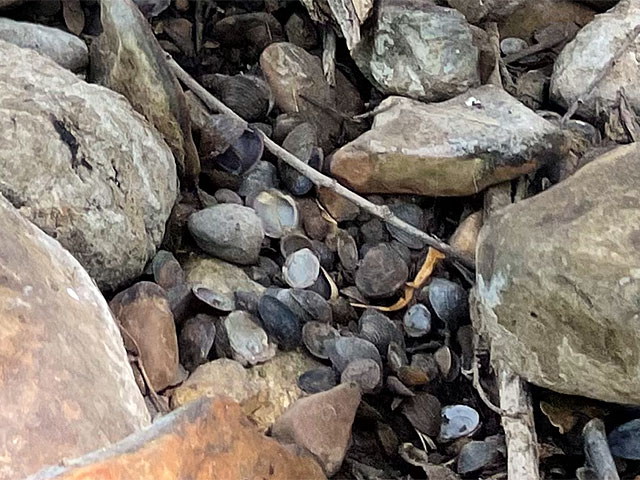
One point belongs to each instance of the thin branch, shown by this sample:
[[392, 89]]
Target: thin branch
[[381, 211], [573, 108]]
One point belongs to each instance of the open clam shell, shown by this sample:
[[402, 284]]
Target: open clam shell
[[458, 421], [240, 337], [301, 269], [278, 212]]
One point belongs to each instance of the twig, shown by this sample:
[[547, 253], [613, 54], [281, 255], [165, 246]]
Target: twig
[[494, 40], [573, 108], [381, 211], [596, 450], [329, 55]]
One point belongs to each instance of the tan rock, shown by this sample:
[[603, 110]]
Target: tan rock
[[66, 387], [207, 439], [457, 147], [338, 207], [277, 383], [144, 313], [465, 238], [220, 377], [127, 58], [558, 282], [321, 423]]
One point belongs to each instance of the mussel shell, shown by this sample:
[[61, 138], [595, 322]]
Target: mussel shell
[[301, 269], [247, 301], [449, 300], [365, 372], [225, 195], [377, 328], [263, 176], [313, 304], [167, 271], [317, 336], [292, 242], [344, 350], [396, 356], [247, 95], [417, 321], [278, 212], [280, 322], [347, 251], [300, 142], [423, 412], [318, 380], [458, 421], [219, 302], [247, 342], [284, 125], [325, 255], [243, 154], [426, 363], [477, 455], [624, 440], [352, 293], [395, 386], [343, 312], [413, 215], [196, 340]]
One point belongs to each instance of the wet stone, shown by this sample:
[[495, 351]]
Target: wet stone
[[195, 341]]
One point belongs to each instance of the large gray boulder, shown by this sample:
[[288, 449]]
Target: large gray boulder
[[65, 49], [79, 162], [558, 282], [419, 50], [582, 60], [66, 386], [477, 11], [457, 147]]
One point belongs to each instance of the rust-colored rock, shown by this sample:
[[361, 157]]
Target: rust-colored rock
[[65, 385], [207, 439], [144, 313], [321, 424]]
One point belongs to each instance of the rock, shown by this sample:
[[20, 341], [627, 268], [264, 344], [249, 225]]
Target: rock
[[531, 17], [228, 231], [299, 86], [321, 423], [263, 176], [457, 147], [584, 58], [77, 191], [127, 58], [252, 31], [144, 313], [341, 209], [221, 277], [65, 49], [563, 315], [301, 31], [195, 341], [465, 238], [152, 8], [67, 387], [220, 377], [10, 3], [382, 272], [276, 381], [477, 11], [419, 50], [210, 435], [224, 195]]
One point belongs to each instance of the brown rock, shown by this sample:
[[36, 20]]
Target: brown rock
[[66, 387], [144, 313], [220, 377], [210, 438], [465, 237], [339, 208], [127, 58], [298, 84], [321, 423]]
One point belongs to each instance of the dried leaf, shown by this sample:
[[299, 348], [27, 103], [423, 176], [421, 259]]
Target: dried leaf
[[332, 285], [73, 16]]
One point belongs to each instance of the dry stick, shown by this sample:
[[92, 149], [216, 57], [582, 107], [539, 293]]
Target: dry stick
[[381, 211], [601, 74]]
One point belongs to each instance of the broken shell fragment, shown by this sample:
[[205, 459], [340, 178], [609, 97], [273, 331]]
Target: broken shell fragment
[[417, 321], [280, 322], [449, 300], [318, 380], [301, 269], [365, 372], [244, 339], [345, 350], [317, 336], [278, 212], [423, 412], [219, 302], [247, 95], [458, 421]]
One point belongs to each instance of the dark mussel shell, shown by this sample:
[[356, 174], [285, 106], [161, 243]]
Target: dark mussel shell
[[450, 301], [196, 340], [280, 322], [317, 336], [379, 330], [243, 154], [318, 380], [167, 271], [423, 412], [365, 372], [344, 350], [215, 300], [313, 304]]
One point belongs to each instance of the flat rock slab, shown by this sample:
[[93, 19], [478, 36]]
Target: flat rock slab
[[79, 162], [127, 58], [582, 60], [558, 282], [419, 50], [457, 147], [207, 439], [65, 49], [66, 387]]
